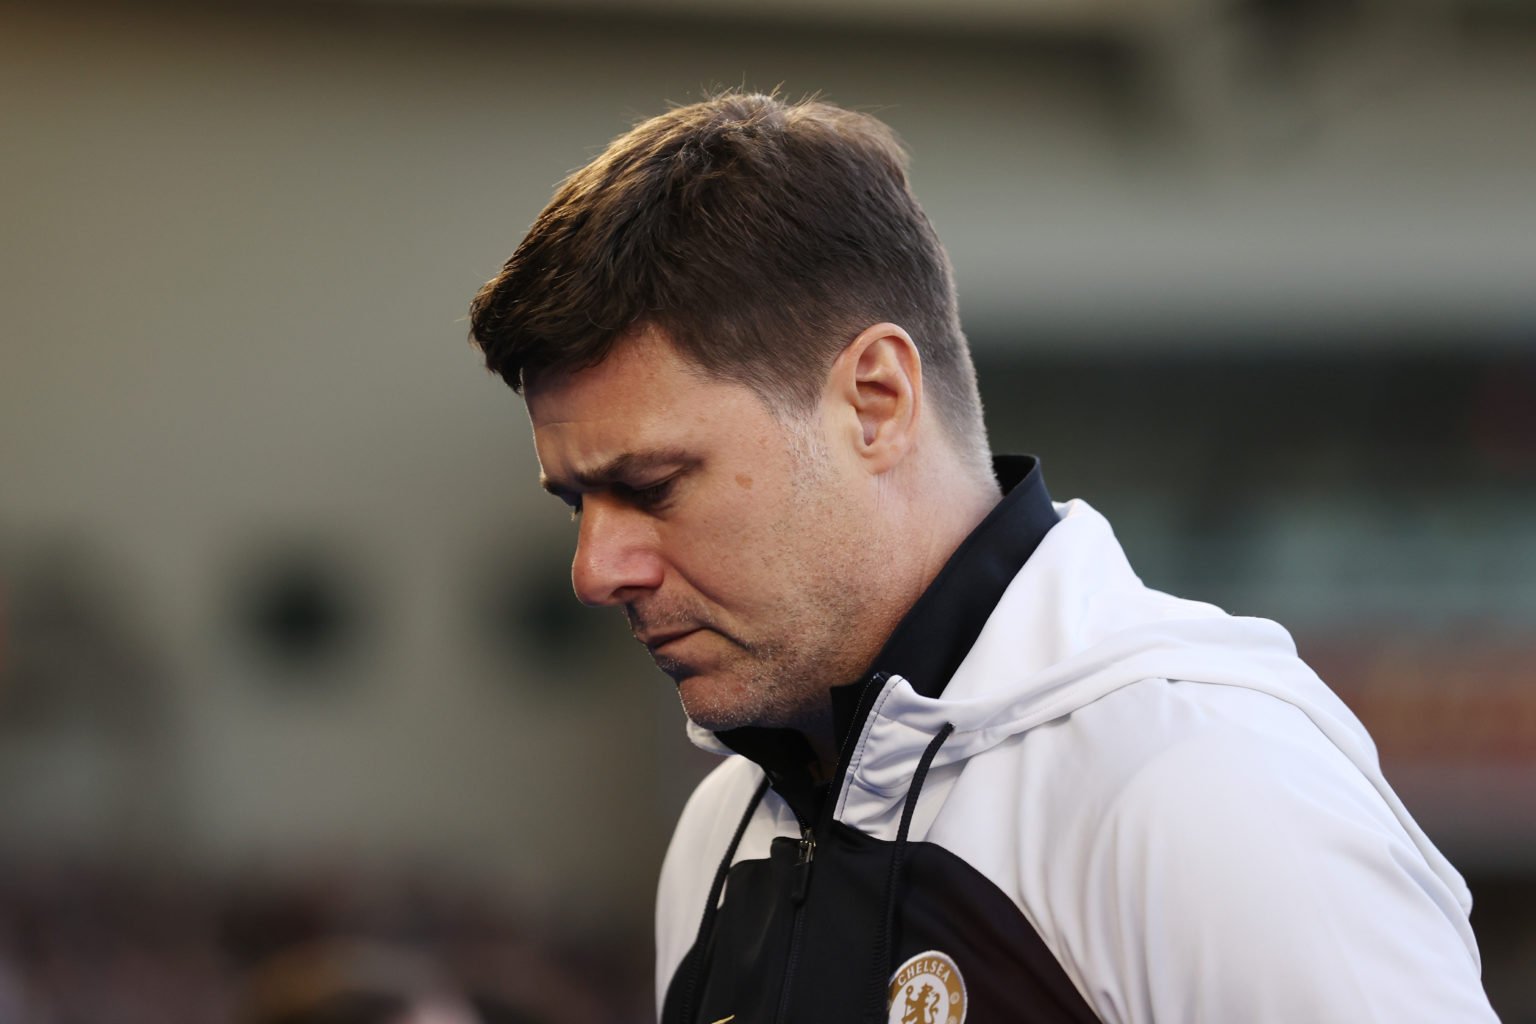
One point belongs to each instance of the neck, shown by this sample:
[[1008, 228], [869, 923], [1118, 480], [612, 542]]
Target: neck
[[946, 505], [932, 516], [821, 734]]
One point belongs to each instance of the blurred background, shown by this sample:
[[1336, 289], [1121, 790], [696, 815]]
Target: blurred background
[[296, 709]]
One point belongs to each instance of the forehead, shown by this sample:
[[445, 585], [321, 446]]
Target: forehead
[[642, 395], [640, 374]]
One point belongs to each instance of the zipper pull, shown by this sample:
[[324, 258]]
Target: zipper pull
[[803, 863]]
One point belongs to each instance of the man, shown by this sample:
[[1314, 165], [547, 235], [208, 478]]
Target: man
[[979, 771]]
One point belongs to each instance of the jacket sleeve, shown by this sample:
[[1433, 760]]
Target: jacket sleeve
[[1251, 878]]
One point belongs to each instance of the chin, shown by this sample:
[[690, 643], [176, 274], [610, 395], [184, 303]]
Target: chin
[[714, 715], [712, 710], [709, 705]]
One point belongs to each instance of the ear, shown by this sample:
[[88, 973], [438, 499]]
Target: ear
[[876, 384]]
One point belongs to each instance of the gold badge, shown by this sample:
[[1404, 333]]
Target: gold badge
[[927, 989]]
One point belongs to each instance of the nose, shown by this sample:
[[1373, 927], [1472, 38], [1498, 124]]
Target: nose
[[617, 555]]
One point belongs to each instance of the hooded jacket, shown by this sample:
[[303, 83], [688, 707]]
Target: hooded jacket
[[1063, 796]]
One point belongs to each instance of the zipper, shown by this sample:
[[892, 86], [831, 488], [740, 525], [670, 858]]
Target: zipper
[[806, 848], [803, 859], [805, 856]]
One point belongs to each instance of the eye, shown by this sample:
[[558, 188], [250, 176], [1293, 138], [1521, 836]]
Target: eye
[[652, 496]]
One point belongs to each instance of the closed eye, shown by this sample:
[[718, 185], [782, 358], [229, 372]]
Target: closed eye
[[650, 497]]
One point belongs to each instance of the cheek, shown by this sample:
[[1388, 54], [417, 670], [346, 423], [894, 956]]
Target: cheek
[[805, 544], [704, 542], [740, 549]]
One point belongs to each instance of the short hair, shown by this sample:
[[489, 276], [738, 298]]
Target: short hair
[[759, 236]]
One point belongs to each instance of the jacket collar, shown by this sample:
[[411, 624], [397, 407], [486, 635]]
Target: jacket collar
[[938, 631]]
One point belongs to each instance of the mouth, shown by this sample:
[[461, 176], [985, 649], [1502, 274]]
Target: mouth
[[654, 642]]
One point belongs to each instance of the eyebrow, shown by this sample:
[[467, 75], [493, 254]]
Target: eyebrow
[[621, 468]]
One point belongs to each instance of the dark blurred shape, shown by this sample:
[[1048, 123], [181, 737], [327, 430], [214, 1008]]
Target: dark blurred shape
[[351, 983], [87, 945], [89, 757], [529, 613], [105, 944], [1503, 427], [300, 610], [70, 646]]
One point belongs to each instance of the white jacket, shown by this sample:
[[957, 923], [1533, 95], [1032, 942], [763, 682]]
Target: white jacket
[[1193, 823]]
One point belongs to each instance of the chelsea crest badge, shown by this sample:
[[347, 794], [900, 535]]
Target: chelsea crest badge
[[927, 989]]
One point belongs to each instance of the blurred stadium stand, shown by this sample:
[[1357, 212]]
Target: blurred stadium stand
[[286, 650]]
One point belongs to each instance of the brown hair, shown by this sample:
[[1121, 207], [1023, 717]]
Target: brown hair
[[759, 236]]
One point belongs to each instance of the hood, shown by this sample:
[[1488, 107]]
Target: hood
[[1075, 624]]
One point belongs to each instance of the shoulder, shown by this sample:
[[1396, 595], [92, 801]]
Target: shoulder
[[1275, 879], [1159, 752], [1211, 790], [1166, 743]]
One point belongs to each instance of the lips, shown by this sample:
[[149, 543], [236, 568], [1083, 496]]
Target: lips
[[655, 641]]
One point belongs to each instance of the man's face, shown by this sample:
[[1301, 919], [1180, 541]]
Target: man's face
[[728, 538]]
